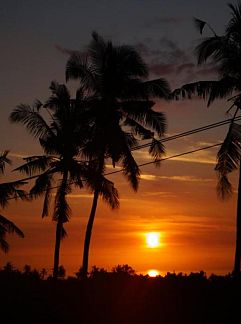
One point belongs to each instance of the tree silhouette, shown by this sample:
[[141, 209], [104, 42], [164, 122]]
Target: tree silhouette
[[61, 138], [8, 191], [225, 52], [121, 110]]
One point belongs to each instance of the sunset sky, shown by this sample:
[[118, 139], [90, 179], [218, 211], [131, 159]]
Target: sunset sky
[[177, 200]]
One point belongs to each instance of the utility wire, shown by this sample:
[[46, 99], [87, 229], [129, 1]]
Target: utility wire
[[167, 139], [190, 132], [171, 157], [171, 138], [147, 163]]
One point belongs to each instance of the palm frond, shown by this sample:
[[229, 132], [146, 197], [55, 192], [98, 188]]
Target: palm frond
[[37, 105], [9, 190], [156, 121], [47, 199], [224, 187], [78, 67], [59, 101], [141, 112], [156, 150], [130, 63], [158, 88], [234, 24], [109, 193], [210, 90], [3, 161], [4, 246], [77, 170], [131, 169], [210, 48], [7, 227], [10, 227], [99, 52], [51, 145], [136, 106], [138, 129], [42, 183], [61, 207], [228, 159], [35, 164], [199, 24], [64, 233], [29, 117]]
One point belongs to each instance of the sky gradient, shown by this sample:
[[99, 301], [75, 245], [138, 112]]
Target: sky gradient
[[179, 198]]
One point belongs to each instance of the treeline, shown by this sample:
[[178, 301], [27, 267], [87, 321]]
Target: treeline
[[120, 297]]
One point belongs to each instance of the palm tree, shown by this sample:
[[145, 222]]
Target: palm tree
[[61, 138], [121, 110], [225, 52], [8, 191]]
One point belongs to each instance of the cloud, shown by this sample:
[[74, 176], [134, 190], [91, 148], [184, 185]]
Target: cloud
[[185, 178], [148, 177], [163, 194], [203, 157], [80, 196], [160, 21], [162, 69], [201, 160], [187, 71], [185, 67], [166, 58], [110, 166], [69, 52], [18, 155]]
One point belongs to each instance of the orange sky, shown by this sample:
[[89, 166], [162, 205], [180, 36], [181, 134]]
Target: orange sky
[[178, 200]]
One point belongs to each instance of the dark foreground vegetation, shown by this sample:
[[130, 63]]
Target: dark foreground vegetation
[[118, 297]]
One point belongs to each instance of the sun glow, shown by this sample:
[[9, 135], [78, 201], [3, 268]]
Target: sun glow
[[153, 273], [153, 239]]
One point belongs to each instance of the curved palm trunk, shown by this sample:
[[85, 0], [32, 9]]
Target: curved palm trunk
[[238, 229], [59, 228], [88, 234]]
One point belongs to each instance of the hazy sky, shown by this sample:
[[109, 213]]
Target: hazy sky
[[178, 199]]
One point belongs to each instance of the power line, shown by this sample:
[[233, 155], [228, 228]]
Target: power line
[[190, 132], [171, 157], [148, 163], [173, 137], [170, 138]]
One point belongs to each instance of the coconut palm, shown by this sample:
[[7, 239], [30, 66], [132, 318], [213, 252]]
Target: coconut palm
[[61, 138], [225, 52], [8, 190], [122, 111]]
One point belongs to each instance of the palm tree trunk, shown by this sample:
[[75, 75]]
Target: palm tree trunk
[[59, 227], [238, 229], [88, 234]]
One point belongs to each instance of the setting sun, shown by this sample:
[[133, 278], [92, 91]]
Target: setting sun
[[153, 239], [153, 273]]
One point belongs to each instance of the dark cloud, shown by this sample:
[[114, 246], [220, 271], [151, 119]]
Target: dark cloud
[[160, 21], [68, 52], [186, 67], [162, 69], [163, 51], [166, 58], [143, 49]]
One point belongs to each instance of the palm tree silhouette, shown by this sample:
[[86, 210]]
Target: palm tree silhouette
[[61, 138], [8, 191], [225, 52], [121, 110]]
